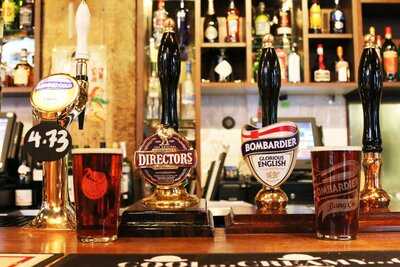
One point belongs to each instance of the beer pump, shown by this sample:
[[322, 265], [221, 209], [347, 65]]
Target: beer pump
[[370, 85], [57, 100], [270, 151]]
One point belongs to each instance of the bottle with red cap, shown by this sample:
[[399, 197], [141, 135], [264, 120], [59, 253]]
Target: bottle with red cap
[[390, 56]]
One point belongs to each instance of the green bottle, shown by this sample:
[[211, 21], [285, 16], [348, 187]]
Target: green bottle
[[10, 14]]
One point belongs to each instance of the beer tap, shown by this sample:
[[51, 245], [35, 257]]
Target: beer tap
[[59, 99], [370, 85]]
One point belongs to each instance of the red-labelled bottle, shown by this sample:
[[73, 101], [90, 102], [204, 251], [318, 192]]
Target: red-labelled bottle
[[390, 56]]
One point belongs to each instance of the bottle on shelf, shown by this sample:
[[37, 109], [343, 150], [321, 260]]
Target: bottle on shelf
[[188, 97], [183, 30], [126, 179], [159, 16], [337, 19], [223, 68], [321, 74], [24, 189], [210, 24], [23, 71], [342, 69], [232, 23], [315, 17], [10, 12], [262, 21], [294, 67], [26, 17], [283, 63], [153, 95], [390, 56], [284, 20]]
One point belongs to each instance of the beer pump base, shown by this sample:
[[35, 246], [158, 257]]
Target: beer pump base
[[170, 198], [272, 200], [140, 220], [375, 198], [54, 219]]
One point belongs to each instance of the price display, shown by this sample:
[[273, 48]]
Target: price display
[[47, 141]]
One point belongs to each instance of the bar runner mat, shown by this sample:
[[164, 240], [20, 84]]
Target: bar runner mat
[[334, 259], [27, 260]]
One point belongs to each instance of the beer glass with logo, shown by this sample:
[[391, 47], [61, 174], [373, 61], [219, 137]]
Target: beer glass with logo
[[336, 183], [97, 175]]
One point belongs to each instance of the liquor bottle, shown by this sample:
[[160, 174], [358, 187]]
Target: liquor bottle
[[342, 69], [390, 57], [223, 67], [294, 67], [159, 16], [188, 94], [10, 11], [315, 17], [262, 21], [210, 24], [153, 97], [23, 190], [283, 63], [284, 20], [183, 27], [321, 74], [23, 72], [126, 178], [232, 23], [26, 17], [337, 19]]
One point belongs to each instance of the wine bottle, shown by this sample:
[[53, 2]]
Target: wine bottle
[[210, 24], [159, 16], [390, 57], [262, 21], [232, 23], [10, 12], [188, 112], [315, 17], [223, 68], [337, 19], [26, 17], [24, 196], [126, 178]]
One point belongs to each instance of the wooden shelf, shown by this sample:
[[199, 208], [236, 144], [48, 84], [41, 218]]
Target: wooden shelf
[[330, 36], [223, 45], [391, 85], [380, 1], [16, 91], [286, 88]]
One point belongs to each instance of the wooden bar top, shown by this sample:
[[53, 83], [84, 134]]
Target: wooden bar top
[[20, 240]]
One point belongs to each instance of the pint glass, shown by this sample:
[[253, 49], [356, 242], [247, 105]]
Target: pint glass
[[97, 174], [336, 183]]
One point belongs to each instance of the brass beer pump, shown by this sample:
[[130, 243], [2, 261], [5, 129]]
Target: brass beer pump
[[370, 87], [61, 98]]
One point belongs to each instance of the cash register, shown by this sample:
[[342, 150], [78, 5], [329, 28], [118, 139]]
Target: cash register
[[298, 187]]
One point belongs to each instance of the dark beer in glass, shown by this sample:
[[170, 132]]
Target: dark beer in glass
[[97, 175], [336, 183]]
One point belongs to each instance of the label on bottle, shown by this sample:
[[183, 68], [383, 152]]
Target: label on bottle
[[262, 27], [294, 68], [315, 17], [224, 69], [37, 175], [25, 17], [283, 60], [338, 25], [23, 197], [94, 184], [322, 75], [21, 76], [211, 33], [9, 9], [342, 69], [390, 62], [233, 25]]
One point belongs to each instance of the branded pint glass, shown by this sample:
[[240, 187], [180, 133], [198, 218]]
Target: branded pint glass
[[97, 175], [336, 183]]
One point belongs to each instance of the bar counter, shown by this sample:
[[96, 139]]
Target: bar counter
[[21, 240]]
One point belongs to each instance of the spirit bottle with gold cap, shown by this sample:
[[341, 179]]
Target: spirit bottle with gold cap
[[342, 70]]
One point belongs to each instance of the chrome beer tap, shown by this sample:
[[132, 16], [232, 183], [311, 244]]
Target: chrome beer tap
[[61, 98]]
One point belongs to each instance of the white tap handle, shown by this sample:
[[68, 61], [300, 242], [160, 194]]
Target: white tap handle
[[82, 24]]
